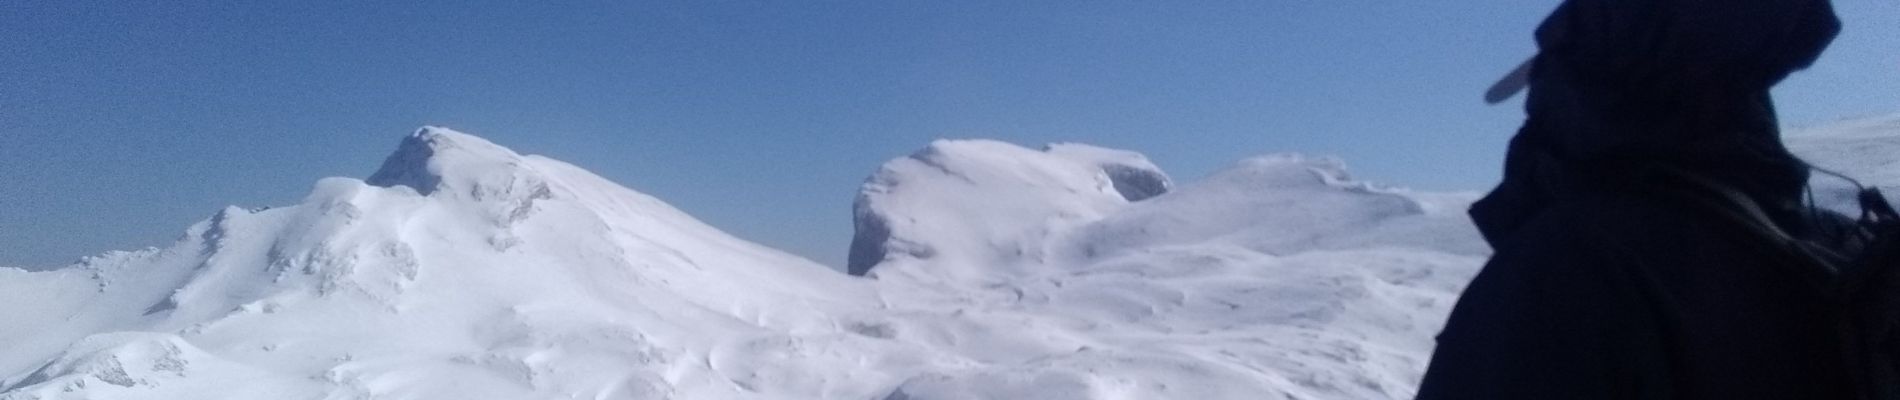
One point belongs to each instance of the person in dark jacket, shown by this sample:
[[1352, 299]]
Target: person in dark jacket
[[1637, 223]]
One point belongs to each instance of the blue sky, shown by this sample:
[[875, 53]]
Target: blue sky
[[121, 123]]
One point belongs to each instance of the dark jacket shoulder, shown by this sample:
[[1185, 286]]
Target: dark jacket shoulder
[[1635, 295], [1556, 314]]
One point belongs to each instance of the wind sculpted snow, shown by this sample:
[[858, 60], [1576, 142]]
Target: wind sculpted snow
[[463, 270], [1276, 278]]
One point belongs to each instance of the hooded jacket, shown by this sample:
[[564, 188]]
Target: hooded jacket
[[1613, 277]]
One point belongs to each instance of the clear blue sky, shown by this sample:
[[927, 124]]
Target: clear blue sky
[[123, 122]]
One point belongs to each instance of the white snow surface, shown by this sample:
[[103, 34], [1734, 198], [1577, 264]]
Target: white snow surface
[[1866, 149], [462, 270]]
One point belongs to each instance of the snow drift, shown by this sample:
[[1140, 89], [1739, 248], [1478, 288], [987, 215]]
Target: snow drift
[[987, 206], [464, 270]]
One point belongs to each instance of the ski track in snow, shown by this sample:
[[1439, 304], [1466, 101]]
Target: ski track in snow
[[462, 270]]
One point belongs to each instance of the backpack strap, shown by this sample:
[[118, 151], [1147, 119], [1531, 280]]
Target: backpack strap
[[1818, 264]]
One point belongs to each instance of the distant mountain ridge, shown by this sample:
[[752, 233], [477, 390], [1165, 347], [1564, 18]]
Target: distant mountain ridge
[[461, 269]]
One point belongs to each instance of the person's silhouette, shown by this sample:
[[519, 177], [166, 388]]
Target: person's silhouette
[[1630, 225]]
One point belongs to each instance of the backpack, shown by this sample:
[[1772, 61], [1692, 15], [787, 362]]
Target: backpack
[[1870, 292], [1857, 267]]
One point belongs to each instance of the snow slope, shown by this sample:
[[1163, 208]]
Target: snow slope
[[1278, 277], [463, 270], [1866, 149], [985, 208]]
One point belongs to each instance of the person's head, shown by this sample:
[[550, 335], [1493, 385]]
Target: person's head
[[1621, 85], [1669, 47], [1635, 78]]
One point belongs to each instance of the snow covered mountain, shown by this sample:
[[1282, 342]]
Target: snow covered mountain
[[463, 270], [459, 270]]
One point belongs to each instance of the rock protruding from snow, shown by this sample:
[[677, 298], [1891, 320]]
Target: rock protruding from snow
[[1134, 177], [426, 156], [989, 204]]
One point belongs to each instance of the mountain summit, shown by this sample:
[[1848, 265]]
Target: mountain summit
[[424, 156]]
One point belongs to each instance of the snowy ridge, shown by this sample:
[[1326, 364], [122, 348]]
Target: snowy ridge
[[512, 267], [988, 204], [464, 270], [1314, 195]]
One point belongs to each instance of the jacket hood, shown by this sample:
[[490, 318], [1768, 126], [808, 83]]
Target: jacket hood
[[1620, 87]]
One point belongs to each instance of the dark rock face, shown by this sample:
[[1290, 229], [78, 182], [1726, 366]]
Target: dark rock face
[[868, 243], [409, 165], [1137, 184]]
